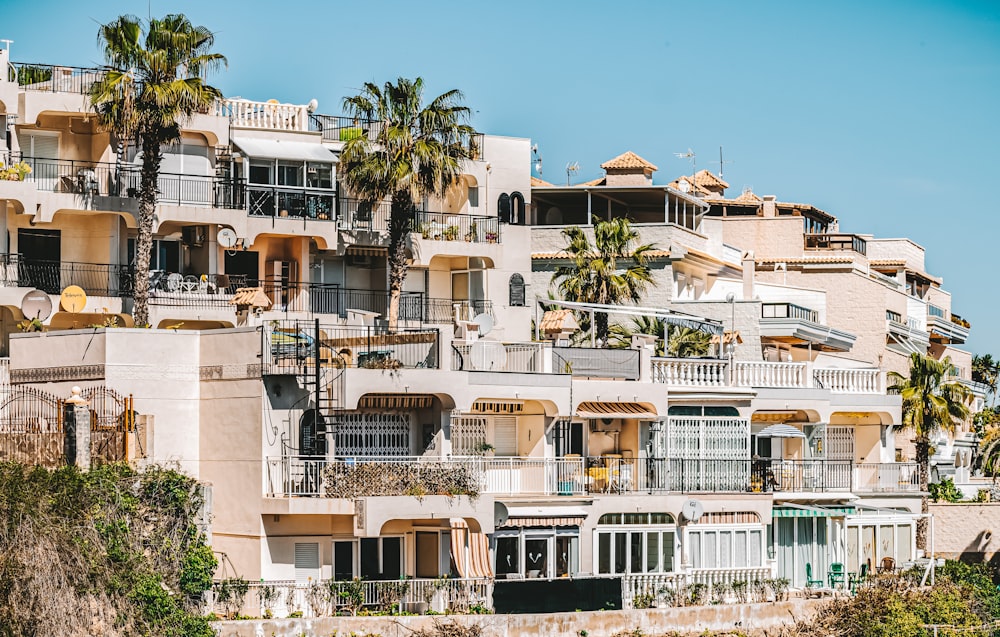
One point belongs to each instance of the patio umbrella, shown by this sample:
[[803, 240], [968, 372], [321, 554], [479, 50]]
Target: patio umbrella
[[780, 431]]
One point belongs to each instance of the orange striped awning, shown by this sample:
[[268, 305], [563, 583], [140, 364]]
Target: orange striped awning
[[470, 551], [593, 409]]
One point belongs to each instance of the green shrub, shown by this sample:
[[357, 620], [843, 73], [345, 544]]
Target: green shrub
[[944, 490]]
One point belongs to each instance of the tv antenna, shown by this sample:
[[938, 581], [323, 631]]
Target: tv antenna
[[537, 158], [571, 169], [693, 156], [722, 162]]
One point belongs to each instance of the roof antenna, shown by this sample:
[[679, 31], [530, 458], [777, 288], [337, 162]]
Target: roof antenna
[[722, 163], [693, 156], [571, 169]]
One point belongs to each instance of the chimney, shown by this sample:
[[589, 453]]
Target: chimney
[[749, 265], [769, 207]]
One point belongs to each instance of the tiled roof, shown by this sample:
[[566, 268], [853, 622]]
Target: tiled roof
[[695, 188], [887, 262], [558, 321], [600, 181], [809, 259], [563, 254], [627, 160], [253, 297], [539, 183], [707, 178], [748, 198]]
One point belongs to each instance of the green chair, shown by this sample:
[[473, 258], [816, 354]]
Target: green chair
[[810, 581], [837, 575], [856, 579]]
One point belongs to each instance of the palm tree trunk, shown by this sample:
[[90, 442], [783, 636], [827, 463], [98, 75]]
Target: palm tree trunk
[[923, 474], [144, 240], [400, 222], [601, 327]]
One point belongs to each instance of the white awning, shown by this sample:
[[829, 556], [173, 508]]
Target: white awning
[[278, 149], [534, 511], [780, 431]]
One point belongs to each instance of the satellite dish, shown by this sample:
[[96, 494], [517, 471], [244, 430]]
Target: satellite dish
[[692, 510], [500, 513], [485, 323], [487, 356], [73, 299], [227, 238], [36, 305], [174, 281]]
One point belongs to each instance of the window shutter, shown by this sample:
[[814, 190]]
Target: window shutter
[[39, 146], [306, 561], [505, 435]]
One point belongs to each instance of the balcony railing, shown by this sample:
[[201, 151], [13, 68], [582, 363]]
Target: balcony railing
[[596, 362], [446, 226], [514, 357], [265, 115], [97, 279], [359, 215], [282, 201], [449, 310], [836, 242], [289, 346], [173, 289], [316, 599], [788, 310], [802, 475], [342, 129], [699, 372], [894, 477], [895, 317], [55, 79]]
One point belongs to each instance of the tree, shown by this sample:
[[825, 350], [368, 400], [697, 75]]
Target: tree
[[416, 150], [594, 274], [672, 340], [931, 403], [152, 80], [985, 370]]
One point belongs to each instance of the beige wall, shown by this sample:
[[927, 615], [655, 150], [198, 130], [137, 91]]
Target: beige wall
[[765, 237], [970, 532], [882, 249]]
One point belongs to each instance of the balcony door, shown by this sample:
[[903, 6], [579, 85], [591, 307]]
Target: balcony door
[[41, 257]]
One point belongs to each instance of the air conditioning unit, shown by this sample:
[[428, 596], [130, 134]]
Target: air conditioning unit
[[607, 425], [194, 236]]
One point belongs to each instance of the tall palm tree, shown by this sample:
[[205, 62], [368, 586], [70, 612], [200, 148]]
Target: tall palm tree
[[931, 403], [672, 340], [416, 150], [154, 78], [595, 275], [987, 371]]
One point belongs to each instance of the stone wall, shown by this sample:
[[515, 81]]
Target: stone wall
[[967, 531], [694, 620]]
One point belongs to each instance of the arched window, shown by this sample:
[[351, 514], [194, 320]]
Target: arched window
[[517, 215], [516, 290], [503, 208]]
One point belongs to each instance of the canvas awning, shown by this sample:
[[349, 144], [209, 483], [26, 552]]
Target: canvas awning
[[780, 431], [593, 409], [282, 149], [793, 511], [379, 340], [470, 551]]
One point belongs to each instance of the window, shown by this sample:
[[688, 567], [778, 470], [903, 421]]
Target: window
[[537, 553], [376, 558], [319, 175], [290, 173], [306, 561], [469, 284], [473, 197], [260, 171], [738, 547], [635, 543], [516, 290]]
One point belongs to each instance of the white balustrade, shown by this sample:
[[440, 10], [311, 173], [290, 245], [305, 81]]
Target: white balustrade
[[533, 476], [663, 588], [886, 477], [265, 115], [854, 381], [690, 372], [770, 374]]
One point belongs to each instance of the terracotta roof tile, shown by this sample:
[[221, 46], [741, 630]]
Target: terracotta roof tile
[[563, 254], [887, 262], [558, 321], [539, 183], [627, 160], [600, 181], [809, 259], [707, 178], [253, 297]]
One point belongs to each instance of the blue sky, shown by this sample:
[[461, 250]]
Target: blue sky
[[884, 114]]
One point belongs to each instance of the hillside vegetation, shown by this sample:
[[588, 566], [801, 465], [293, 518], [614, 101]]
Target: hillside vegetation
[[108, 552]]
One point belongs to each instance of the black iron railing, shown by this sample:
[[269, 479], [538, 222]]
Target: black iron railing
[[282, 201], [836, 242], [175, 289], [337, 128], [788, 310], [55, 79], [443, 226], [802, 475], [97, 279], [356, 214]]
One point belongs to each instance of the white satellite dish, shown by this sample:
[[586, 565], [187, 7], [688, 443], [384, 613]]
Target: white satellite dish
[[500, 514], [36, 304], [485, 323], [227, 238], [488, 356], [692, 510]]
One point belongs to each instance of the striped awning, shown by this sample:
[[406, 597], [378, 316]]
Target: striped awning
[[395, 401], [470, 551], [540, 523], [367, 251], [593, 409], [812, 511]]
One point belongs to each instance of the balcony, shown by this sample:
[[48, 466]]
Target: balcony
[[524, 358], [296, 203], [715, 373], [262, 115], [839, 242], [895, 477], [791, 323], [289, 347], [801, 475], [944, 328], [443, 226], [596, 362], [336, 128], [96, 279], [50, 78]]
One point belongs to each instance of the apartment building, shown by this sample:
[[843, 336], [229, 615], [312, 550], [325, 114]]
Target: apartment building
[[472, 440]]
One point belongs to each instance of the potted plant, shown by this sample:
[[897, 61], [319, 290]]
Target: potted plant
[[451, 233], [471, 234], [485, 449], [491, 237]]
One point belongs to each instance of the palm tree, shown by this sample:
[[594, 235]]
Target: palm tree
[[151, 81], [985, 370], [672, 340], [931, 403], [685, 342], [594, 274], [416, 150]]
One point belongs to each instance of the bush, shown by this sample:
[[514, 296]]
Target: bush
[[944, 490]]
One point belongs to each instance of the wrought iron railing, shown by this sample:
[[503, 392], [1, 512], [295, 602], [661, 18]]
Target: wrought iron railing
[[357, 215], [788, 310], [444, 226], [829, 241], [97, 279], [802, 475], [338, 128], [194, 290], [282, 201], [55, 79]]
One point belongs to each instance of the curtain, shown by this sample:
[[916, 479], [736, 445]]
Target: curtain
[[783, 551], [804, 551]]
